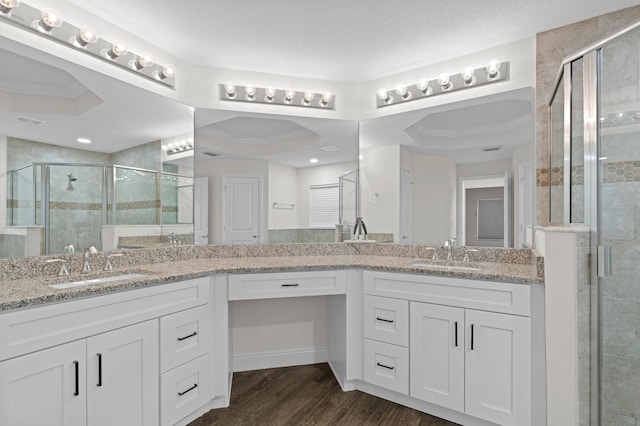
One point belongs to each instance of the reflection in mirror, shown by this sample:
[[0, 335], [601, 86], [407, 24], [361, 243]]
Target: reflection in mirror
[[275, 178], [89, 160], [462, 170]]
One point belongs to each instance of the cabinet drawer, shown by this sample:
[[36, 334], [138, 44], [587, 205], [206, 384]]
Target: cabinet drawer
[[482, 295], [185, 389], [386, 320], [386, 366], [185, 336], [286, 284]]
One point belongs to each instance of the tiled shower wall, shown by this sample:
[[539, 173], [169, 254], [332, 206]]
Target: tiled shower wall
[[81, 201]]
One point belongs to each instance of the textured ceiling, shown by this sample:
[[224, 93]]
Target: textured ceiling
[[342, 40]]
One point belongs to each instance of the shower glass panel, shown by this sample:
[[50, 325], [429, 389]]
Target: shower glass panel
[[619, 228], [556, 164], [177, 199], [136, 196], [75, 194], [576, 176], [22, 197]]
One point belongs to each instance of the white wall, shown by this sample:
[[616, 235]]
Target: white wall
[[379, 194], [283, 188], [521, 156], [3, 182], [434, 194]]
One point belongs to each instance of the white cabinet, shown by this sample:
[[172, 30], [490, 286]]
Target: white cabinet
[[96, 361], [122, 376], [437, 354], [108, 379], [498, 367], [469, 346], [46, 388]]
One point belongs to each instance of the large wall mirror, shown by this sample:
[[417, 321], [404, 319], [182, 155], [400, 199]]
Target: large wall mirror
[[134, 179], [274, 178], [463, 170]]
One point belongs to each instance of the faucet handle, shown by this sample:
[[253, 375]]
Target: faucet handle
[[466, 254], [435, 252], [108, 266], [63, 266]]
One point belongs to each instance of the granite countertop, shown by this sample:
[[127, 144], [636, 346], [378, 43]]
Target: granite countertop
[[21, 293]]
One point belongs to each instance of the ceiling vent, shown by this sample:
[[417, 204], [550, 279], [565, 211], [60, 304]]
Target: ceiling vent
[[330, 148], [30, 120], [210, 154], [493, 148]]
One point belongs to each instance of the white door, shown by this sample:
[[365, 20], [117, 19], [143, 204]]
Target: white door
[[123, 376], [437, 354], [406, 209], [241, 212], [46, 388], [498, 367], [201, 211]]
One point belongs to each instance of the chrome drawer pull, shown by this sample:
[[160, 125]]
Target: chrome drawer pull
[[384, 366], [384, 319], [180, 339], [195, 385], [290, 285]]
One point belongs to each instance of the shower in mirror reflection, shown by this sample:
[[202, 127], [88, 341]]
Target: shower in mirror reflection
[[72, 179]]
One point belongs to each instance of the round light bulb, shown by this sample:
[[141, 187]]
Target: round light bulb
[[308, 97], [144, 60], [444, 80], [401, 90], [326, 98], [50, 19], [269, 94], [118, 48], [230, 89], [382, 94], [289, 94], [493, 69], [168, 71], [468, 76], [7, 5], [250, 92], [422, 84], [87, 35]]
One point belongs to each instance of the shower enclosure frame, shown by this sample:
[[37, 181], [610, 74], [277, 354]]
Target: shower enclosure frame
[[108, 193], [600, 264]]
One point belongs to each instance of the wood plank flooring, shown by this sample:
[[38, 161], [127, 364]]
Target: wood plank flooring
[[307, 395]]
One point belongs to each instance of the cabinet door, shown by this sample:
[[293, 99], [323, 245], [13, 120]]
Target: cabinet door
[[123, 376], [46, 388], [437, 354], [498, 367]]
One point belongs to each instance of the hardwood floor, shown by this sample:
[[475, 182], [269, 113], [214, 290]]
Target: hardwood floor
[[307, 395]]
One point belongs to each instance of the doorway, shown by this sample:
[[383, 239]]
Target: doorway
[[241, 212]]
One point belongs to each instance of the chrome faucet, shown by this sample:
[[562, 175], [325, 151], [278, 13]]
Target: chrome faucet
[[108, 266], [63, 266], [449, 245], [359, 229], [87, 252]]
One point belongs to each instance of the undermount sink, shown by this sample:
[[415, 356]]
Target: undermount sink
[[444, 267], [98, 280]]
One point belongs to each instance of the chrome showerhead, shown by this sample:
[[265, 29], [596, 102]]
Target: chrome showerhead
[[72, 179]]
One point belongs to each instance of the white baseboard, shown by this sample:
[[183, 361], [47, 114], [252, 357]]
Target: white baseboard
[[275, 359]]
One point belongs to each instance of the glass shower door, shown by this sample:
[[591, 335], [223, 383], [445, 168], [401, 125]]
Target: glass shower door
[[619, 228], [75, 206]]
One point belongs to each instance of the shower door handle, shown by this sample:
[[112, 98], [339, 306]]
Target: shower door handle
[[604, 261]]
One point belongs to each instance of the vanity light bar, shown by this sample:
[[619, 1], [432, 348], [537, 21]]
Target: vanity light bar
[[49, 23], [269, 95], [494, 72]]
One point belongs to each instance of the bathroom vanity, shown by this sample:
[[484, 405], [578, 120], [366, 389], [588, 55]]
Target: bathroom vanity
[[155, 349]]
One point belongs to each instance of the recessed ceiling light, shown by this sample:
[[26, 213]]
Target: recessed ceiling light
[[83, 140], [313, 160]]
